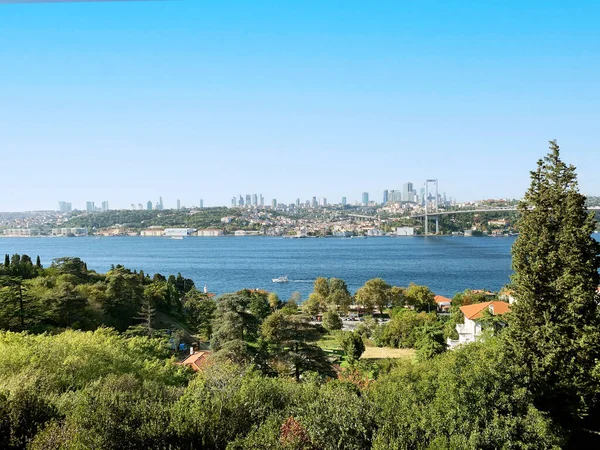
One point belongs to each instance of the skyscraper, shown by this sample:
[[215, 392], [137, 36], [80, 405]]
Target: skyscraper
[[324, 201], [233, 202], [89, 206], [178, 204], [241, 201], [64, 207], [262, 200], [385, 196], [104, 206], [408, 194], [297, 202], [254, 200], [248, 200], [365, 198], [201, 203], [149, 205], [161, 206], [274, 203], [314, 202], [344, 201]]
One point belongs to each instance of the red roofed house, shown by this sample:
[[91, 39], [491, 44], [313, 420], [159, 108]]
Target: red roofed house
[[196, 360], [443, 303], [471, 329]]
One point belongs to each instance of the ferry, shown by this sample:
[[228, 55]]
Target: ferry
[[281, 280]]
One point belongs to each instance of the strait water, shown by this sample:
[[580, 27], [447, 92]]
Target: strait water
[[225, 264]]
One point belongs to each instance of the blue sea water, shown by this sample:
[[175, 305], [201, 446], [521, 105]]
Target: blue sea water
[[225, 264]]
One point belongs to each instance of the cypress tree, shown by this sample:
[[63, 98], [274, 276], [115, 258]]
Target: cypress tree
[[38, 262], [554, 331], [6, 261]]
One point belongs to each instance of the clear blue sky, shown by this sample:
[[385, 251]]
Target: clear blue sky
[[193, 99]]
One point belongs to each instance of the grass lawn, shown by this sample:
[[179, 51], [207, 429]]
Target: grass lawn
[[387, 352]]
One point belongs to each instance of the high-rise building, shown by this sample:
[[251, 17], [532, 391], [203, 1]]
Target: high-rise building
[[160, 205], [241, 201], [140, 206], [149, 205], [394, 196], [104, 206], [385, 196], [324, 201], [178, 204], [64, 207], [297, 202], [201, 203], [233, 202], [248, 200], [344, 202], [408, 193], [314, 202], [254, 200], [274, 203], [422, 198], [89, 206], [365, 198], [261, 200]]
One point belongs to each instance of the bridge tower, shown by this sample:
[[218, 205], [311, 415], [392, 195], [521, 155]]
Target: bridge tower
[[437, 217]]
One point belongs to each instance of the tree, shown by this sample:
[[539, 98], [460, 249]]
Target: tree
[[312, 305], [200, 310], [339, 296], [38, 262], [397, 297], [233, 321], [6, 262], [321, 287], [554, 331], [331, 321], [420, 298], [353, 346], [273, 301], [430, 343], [293, 340], [374, 293]]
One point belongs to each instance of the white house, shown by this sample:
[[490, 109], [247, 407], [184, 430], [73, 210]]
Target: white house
[[470, 330]]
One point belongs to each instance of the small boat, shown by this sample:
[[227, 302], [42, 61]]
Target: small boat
[[281, 280], [177, 237]]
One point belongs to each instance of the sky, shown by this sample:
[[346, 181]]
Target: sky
[[191, 99]]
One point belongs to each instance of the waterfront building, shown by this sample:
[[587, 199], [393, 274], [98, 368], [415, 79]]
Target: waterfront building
[[210, 232], [105, 206], [153, 232], [385, 196], [178, 231], [405, 231], [365, 198], [21, 232], [64, 207], [69, 232]]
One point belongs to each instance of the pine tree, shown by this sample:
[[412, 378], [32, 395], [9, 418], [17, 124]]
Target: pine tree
[[554, 331]]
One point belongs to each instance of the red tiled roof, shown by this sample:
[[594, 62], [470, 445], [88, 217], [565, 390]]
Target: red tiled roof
[[476, 311], [442, 299], [197, 360]]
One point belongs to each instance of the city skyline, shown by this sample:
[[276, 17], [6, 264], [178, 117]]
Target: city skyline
[[291, 102]]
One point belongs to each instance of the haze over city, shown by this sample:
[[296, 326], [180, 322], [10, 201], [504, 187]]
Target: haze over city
[[127, 102]]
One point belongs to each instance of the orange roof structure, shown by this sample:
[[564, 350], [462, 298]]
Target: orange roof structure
[[197, 360], [476, 310], [441, 299]]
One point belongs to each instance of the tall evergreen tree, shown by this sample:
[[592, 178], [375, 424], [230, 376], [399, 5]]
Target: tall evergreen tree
[[6, 261], [554, 331]]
